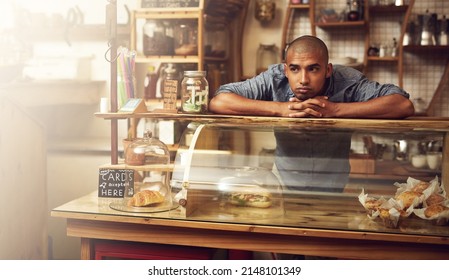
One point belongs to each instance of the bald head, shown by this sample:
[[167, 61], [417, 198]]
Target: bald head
[[308, 44]]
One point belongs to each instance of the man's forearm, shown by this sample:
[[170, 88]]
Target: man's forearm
[[392, 106], [233, 104]]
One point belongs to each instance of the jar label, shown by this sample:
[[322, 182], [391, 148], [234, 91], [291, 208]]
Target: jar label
[[195, 99], [170, 92]]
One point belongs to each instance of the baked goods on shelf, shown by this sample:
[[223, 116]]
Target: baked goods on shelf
[[146, 198], [427, 200], [409, 198], [434, 199], [434, 210]]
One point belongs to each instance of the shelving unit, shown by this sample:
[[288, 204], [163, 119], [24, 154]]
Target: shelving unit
[[374, 16], [196, 14], [403, 12], [309, 11], [290, 14]]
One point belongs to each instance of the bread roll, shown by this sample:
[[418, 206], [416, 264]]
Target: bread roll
[[145, 198]]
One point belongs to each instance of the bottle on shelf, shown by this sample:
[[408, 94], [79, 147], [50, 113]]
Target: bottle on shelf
[[160, 79], [150, 83], [169, 37], [444, 31], [394, 48], [353, 10]]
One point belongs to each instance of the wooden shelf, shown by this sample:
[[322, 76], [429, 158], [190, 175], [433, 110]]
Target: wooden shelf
[[299, 6], [388, 9], [386, 58], [394, 170], [337, 24], [416, 48]]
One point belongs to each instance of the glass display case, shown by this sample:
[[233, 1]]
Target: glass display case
[[316, 176], [345, 188]]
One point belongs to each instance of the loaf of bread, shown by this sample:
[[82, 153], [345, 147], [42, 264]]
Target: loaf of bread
[[146, 198]]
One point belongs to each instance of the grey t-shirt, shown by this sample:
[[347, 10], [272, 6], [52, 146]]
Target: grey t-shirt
[[312, 159]]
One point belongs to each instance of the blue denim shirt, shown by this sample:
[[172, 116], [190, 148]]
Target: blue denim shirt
[[310, 159], [346, 84]]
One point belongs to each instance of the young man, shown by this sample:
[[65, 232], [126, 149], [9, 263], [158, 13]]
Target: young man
[[307, 85]]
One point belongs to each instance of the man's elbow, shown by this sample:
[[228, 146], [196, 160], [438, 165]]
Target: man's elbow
[[407, 109], [215, 105]]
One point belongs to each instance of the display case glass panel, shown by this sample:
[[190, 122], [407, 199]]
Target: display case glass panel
[[314, 176]]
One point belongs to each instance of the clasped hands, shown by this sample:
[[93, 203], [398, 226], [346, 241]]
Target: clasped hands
[[317, 107]]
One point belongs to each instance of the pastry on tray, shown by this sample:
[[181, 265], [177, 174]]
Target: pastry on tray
[[434, 199], [371, 204], [438, 213], [434, 210], [409, 198], [146, 198], [421, 186], [390, 217]]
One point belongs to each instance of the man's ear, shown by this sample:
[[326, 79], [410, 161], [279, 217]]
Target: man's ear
[[286, 70], [329, 70]]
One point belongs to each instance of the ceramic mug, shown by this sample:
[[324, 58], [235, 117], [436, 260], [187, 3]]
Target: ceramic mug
[[419, 161], [434, 159]]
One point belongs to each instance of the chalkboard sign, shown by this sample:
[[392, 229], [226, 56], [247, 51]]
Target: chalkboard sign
[[115, 183], [169, 3]]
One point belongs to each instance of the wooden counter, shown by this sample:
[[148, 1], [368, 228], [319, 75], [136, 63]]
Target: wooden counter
[[313, 224]]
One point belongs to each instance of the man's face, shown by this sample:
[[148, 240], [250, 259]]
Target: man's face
[[306, 73]]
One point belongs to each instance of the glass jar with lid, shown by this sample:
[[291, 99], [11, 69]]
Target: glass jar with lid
[[147, 150], [154, 38], [186, 38], [194, 92]]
